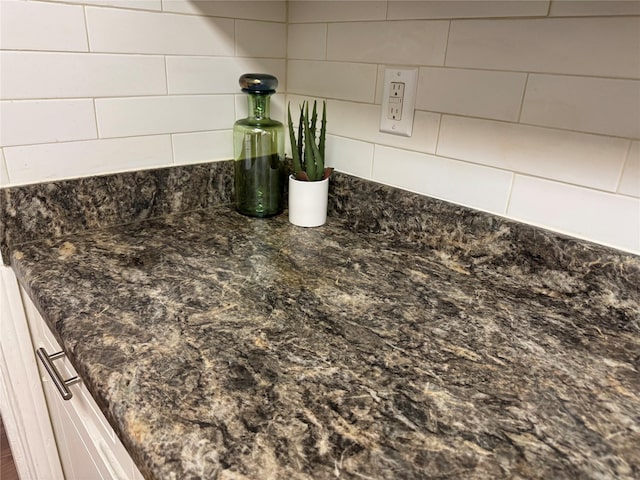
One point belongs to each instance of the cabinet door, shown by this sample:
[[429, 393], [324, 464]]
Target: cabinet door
[[89, 448], [22, 400], [76, 460]]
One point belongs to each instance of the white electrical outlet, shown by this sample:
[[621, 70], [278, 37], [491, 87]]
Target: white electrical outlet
[[398, 100]]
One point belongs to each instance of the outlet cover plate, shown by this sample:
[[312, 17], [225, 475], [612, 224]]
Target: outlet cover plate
[[404, 125]]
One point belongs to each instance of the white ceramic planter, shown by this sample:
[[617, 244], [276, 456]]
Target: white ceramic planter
[[308, 202]]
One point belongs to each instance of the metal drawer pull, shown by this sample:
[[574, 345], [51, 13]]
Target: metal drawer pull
[[61, 385]]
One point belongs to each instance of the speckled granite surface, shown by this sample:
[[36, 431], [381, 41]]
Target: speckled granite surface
[[32, 212], [432, 344]]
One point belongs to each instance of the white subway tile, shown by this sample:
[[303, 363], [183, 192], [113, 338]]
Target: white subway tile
[[579, 158], [64, 75], [593, 215], [349, 156], [123, 117], [573, 8], [361, 121], [202, 146], [305, 11], [477, 93], [414, 9], [421, 42], [217, 74], [275, 11], [597, 105], [41, 26], [54, 161], [347, 81], [630, 181], [476, 186], [134, 4], [307, 41], [128, 31], [603, 46], [45, 121], [4, 174], [261, 39]]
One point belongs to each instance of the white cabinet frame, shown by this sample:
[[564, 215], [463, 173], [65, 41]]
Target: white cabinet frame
[[22, 402]]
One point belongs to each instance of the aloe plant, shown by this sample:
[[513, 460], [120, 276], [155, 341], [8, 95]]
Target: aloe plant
[[307, 153]]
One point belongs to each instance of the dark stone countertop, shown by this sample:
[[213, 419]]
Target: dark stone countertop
[[220, 346]]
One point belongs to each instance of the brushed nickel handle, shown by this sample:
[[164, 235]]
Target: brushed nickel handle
[[61, 385]]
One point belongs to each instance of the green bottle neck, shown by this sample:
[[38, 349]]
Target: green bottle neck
[[259, 106]]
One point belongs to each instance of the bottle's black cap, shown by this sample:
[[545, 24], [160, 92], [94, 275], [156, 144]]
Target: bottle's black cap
[[258, 83]]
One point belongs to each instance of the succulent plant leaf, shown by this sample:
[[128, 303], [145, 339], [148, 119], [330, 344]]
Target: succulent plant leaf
[[314, 120], [318, 162], [323, 129], [301, 137], [295, 153], [310, 165]]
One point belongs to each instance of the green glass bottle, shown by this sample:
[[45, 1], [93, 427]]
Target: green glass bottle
[[258, 145]]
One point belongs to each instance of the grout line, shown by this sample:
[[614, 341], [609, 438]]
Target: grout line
[[457, 67], [509, 193], [492, 167], [627, 158], [173, 152], [235, 38], [286, 41], [116, 7], [485, 119], [95, 119], [446, 45], [524, 94], [532, 125], [161, 10], [438, 130], [326, 41], [86, 30], [119, 137], [466, 19], [117, 97], [375, 87], [4, 169], [235, 108], [353, 62], [166, 75], [373, 159]]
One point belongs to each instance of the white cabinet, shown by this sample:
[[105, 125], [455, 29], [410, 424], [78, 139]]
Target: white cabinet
[[51, 438], [88, 446], [22, 402]]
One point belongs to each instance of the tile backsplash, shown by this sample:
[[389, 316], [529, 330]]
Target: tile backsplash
[[527, 109], [101, 86]]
